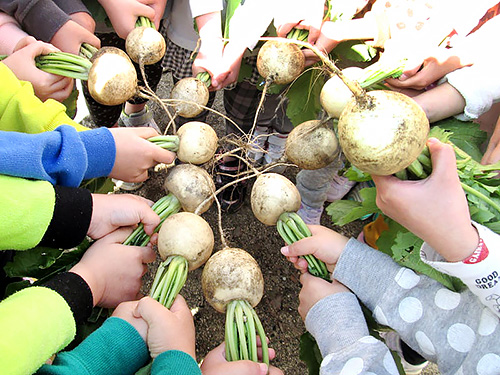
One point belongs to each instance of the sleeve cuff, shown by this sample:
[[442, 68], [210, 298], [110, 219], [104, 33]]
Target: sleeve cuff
[[175, 362], [327, 321], [71, 218], [48, 13], [101, 152], [75, 292]]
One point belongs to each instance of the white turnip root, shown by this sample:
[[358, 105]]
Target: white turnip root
[[191, 185], [112, 77], [187, 235], [335, 94], [275, 200], [232, 274], [185, 242], [197, 142], [232, 282], [280, 62], [273, 195], [382, 132], [145, 44], [190, 95], [312, 145]]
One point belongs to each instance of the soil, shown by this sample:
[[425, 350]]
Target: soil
[[278, 307]]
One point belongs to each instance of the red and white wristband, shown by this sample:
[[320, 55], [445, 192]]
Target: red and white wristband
[[480, 271]]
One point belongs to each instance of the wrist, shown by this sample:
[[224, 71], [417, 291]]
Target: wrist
[[87, 275], [461, 246]]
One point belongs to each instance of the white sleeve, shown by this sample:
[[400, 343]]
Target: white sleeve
[[480, 272], [479, 84], [201, 7], [250, 22]]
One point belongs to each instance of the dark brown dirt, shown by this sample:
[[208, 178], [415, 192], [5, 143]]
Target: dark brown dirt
[[278, 307]]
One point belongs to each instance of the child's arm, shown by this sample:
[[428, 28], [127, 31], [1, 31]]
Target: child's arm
[[332, 314], [441, 102], [122, 332], [10, 34], [123, 14], [492, 154], [209, 57]]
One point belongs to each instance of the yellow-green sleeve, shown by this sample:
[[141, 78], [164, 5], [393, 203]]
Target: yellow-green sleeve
[[35, 323], [26, 210], [22, 111]]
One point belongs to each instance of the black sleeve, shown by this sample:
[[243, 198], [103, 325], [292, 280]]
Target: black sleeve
[[70, 7], [71, 219], [75, 291]]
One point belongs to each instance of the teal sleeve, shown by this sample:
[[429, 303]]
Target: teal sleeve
[[115, 348], [175, 362]]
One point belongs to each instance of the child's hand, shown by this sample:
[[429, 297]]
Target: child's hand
[[296, 15], [232, 57], [112, 211], [135, 154], [123, 14], [71, 35], [85, 20], [22, 64], [114, 271], [314, 289], [434, 209], [167, 329], [215, 363], [125, 311], [325, 244]]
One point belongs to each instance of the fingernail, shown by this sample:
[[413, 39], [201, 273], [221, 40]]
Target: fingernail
[[403, 77], [263, 368], [285, 251]]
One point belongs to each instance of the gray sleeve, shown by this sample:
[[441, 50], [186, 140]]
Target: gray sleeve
[[451, 329], [339, 327], [39, 18], [72, 6]]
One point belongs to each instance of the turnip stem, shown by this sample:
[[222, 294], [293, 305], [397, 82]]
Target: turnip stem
[[292, 228], [480, 195], [242, 328], [169, 280], [167, 142]]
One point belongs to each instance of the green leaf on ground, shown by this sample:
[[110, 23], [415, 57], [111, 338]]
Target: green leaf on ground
[[354, 50], [309, 353], [346, 211]]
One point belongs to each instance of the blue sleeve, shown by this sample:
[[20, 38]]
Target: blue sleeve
[[62, 157], [115, 348], [175, 362]]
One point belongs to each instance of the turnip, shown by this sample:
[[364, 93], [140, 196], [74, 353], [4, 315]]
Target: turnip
[[192, 186], [382, 132], [191, 94], [144, 44], [185, 242], [195, 142], [335, 94], [312, 145], [280, 62], [112, 77], [232, 282], [275, 200]]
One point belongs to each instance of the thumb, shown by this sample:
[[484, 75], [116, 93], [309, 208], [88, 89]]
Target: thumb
[[247, 367], [163, 156], [443, 159], [303, 247], [117, 236], [306, 278], [149, 309], [180, 305]]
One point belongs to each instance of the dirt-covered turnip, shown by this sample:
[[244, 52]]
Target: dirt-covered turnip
[[189, 95], [382, 132], [312, 145], [187, 235], [273, 194], [232, 274], [112, 77], [145, 44], [197, 142], [191, 185], [280, 62], [335, 94]]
